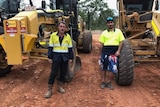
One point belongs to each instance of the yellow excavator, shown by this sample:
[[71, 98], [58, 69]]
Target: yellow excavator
[[140, 22], [26, 35]]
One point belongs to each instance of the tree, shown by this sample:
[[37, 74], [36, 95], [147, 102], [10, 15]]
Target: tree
[[94, 13]]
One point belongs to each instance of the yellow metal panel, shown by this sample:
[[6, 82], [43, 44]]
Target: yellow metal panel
[[32, 20], [29, 40], [148, 25], [26, 13], [22, 22], [13, 42], [33, 25], [156, 22], [2, 42], [155, 28]]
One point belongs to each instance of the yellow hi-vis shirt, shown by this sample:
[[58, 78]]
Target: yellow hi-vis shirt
[[55, 43], [111, 38]]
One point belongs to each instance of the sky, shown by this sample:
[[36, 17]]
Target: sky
[[112, 4]]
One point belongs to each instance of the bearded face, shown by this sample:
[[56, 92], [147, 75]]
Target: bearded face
[[110, 24]]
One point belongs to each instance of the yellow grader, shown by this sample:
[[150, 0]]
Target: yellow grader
[[140, 22], [26, 35]]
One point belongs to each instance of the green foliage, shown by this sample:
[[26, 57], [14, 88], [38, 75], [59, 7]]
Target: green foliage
[[94, 13]]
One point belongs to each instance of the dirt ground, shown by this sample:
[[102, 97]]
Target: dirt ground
[[26, 85]]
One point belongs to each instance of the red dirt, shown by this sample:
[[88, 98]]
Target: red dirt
[[26, 85]]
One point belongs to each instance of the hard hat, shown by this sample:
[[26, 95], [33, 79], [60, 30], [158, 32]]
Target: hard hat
[[109, 19]]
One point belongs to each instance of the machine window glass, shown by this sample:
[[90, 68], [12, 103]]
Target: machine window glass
[[3, 3], [138, 5], [10, 6], [135, 7]]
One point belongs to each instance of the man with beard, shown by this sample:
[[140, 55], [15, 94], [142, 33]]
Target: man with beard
[[111, 41]]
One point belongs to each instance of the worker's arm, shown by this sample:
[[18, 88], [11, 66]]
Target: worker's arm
[[119, 48], [71, 55], [50, 54], [121, 39], [70, 48], [50, 48], [101, 46]]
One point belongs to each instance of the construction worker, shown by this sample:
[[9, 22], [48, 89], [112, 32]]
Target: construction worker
[[111, 42], [60, 54]]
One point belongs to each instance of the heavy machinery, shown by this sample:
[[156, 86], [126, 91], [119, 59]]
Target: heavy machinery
[[26, 35], [140, 22]]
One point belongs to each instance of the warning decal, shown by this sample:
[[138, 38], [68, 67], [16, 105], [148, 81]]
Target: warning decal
[[11, 27]]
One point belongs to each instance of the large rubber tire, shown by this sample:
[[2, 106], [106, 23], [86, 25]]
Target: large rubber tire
[[87, 42], [125, 73], [4, 67], [71, 67], [1, 30], [6, 70]]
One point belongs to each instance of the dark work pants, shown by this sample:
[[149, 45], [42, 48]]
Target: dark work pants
[[58, 67]]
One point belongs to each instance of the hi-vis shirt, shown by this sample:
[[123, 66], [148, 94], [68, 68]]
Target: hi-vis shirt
[[55, 43], [60, 49], [111, 41], [111, 38]]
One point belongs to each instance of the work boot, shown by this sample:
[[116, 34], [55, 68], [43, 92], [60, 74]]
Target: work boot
[[49, 92], [60, 88], [102, 85], [109, 85]]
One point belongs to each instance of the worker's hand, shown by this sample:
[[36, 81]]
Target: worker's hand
[[117, 53], [50, 60]]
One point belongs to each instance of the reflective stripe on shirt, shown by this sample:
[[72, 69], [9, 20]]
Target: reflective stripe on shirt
[[55, 43]]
